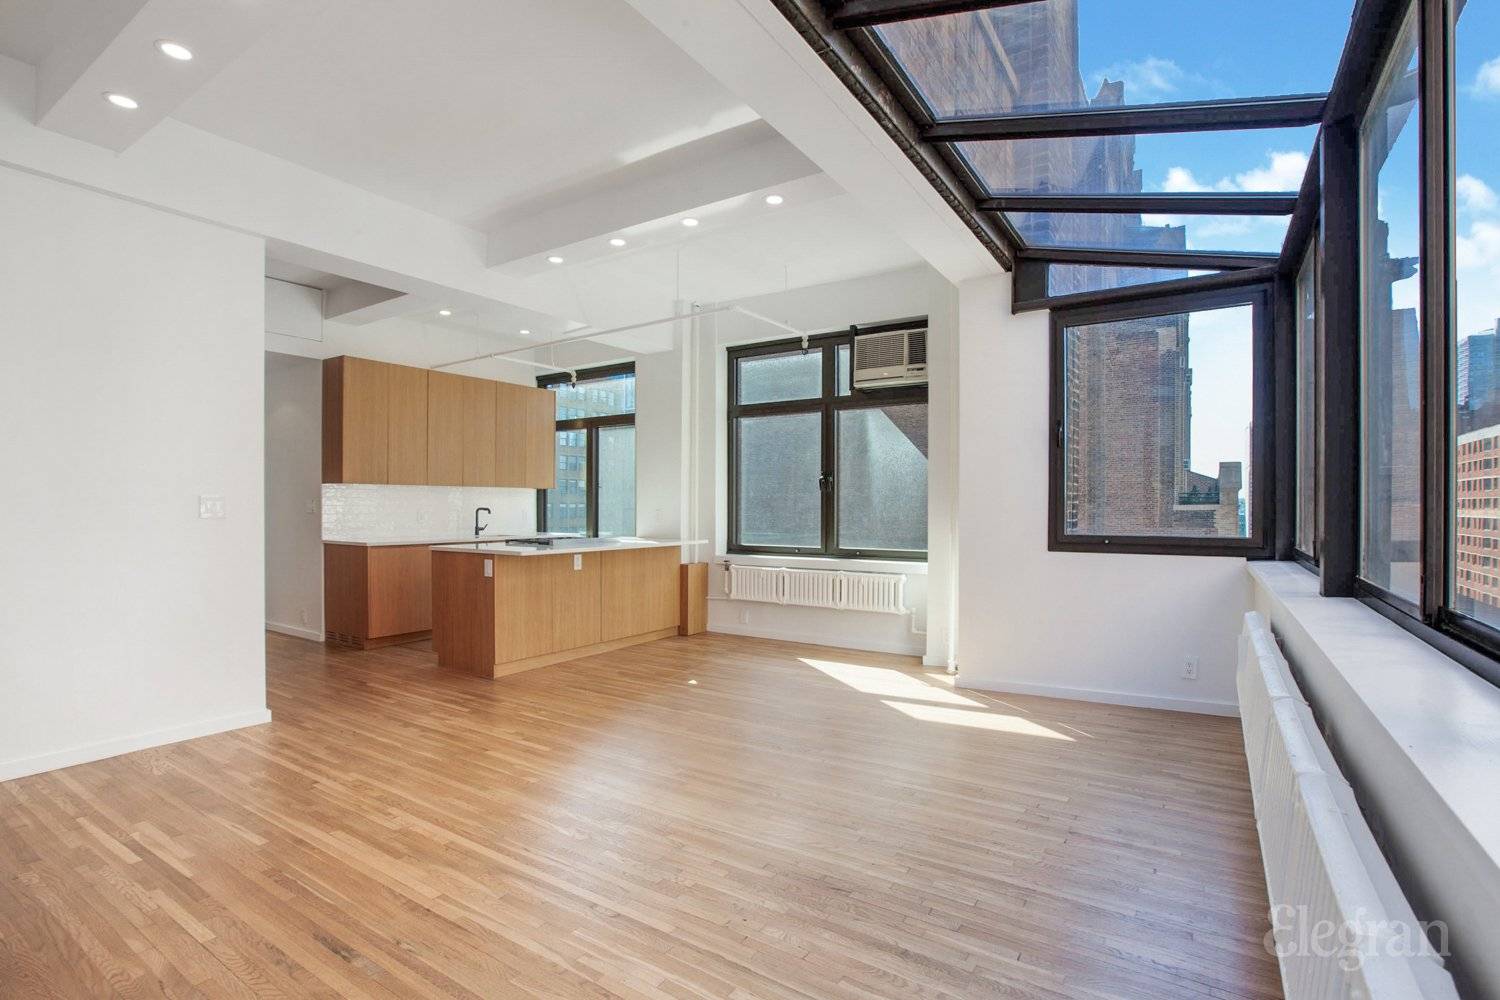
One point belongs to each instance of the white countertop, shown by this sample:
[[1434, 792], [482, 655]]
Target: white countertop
[[442, 539], [572, 545]]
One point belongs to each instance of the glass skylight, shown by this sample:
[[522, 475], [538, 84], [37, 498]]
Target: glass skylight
[[1253, 160], [1217, 233], [1067, 279], [1063, 55]]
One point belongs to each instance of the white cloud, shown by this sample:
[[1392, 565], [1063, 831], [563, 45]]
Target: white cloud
[[1474, 195], [1146, 80], [1478, 266], [1487, 80], [1282, 172]]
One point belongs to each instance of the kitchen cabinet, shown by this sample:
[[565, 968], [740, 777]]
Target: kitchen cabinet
[[356, 420], [406, 423], [400, 425], [479, 432], [445, 429], [376, 595], [525, 438]]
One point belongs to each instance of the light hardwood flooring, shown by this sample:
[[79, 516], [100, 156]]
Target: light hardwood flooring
[[700, 817]]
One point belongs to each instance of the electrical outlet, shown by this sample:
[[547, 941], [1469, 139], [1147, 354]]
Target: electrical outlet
[[577, 560], [1190, 669], [305, 616], [744, 616], [210, 506]]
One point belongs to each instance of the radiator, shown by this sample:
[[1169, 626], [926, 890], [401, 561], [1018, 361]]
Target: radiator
[[1342, 925], [818, 588]]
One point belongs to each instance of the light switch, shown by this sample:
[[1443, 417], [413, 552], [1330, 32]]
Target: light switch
[[210, 506], [489, 567]]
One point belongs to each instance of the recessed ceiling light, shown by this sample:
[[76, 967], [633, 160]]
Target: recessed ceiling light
[[617, 242], [554, 259], [121, 101], [690, 222], [774, 199], [445, 312], [525, 333], [174, 50]]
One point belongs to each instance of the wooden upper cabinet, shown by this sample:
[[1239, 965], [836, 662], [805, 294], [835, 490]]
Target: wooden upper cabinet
[[356, 406], [407, 426], [445, 429], [479, 432], [525, 436], [541, 437]]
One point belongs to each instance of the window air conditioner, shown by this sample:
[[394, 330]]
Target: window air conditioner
[[882, 360]]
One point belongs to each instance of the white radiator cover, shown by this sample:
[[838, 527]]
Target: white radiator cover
[[1324, 869], [818, 588]]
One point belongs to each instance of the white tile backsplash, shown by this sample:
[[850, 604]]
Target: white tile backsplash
[[363, 513]]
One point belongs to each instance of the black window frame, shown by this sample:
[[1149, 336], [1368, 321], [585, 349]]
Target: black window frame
[[591, 427], [1257, 543], [828, 405]]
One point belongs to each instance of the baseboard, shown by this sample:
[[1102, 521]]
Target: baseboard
[[23, 766], [1106, 697], [316, 635], [818, 639]]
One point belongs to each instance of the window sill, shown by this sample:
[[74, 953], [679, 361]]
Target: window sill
[[913, 568]]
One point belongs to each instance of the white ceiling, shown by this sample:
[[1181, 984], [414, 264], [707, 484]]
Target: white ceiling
[[482, 112], [464, 107]]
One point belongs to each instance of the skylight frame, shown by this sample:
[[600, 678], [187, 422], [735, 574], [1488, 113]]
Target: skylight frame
[[942, 135]]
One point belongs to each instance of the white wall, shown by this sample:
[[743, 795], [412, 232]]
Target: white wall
[[821, 308], [1114, 628], [132, 384], [294, 476]]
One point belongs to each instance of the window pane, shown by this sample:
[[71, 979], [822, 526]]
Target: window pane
[[1065, 279], [1064, 56], [1475, 530], [567, 503], [1391, 384], [882, 478], [1157, 419], [1307, 386], [1178, 162], [616, 481], [772, 378], [601, 397], [1102, 231], [779, 461], [843, 382]]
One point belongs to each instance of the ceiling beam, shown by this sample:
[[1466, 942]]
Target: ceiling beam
[[1195, 203], [358, 303], [1237, 278], [724, 165], [1189, 259], [867, 13], [115, 52], [1200, 116]]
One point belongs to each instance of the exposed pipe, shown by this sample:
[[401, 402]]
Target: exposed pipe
[[591, 334]]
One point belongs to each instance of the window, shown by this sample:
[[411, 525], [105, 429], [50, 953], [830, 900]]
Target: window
[[1475, 392], [1307, 405], [1138, 463], [1390, 382], [595, 491], [818, 467]]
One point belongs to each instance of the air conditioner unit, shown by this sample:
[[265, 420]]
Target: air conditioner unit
[[882, 360]]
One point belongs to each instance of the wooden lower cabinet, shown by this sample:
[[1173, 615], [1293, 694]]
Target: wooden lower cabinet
[[520, 612], [376, 595]]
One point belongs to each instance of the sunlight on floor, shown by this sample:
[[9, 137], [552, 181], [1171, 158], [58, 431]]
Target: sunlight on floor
[[976, 720], [888, 683]]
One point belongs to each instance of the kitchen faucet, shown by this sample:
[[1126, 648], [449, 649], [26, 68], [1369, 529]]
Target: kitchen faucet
[[477, 526]]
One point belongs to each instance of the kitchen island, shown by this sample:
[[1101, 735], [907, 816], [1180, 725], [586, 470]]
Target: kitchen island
[[501, 607]]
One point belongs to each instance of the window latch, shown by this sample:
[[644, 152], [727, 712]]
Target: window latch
[[825, 483]]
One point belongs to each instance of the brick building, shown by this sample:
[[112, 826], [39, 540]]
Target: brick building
[[1129, 385]]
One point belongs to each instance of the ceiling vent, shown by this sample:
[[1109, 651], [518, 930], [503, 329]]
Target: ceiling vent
[[882, 360]]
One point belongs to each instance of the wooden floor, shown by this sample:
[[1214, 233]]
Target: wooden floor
[[704, 817]]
